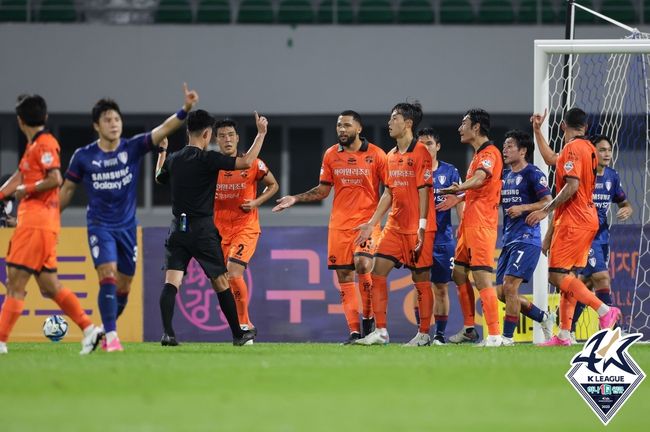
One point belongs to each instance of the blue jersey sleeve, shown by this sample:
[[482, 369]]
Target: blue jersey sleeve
[[618, 194], [539, 182], [139, 145], [75, 172], [455, 176]]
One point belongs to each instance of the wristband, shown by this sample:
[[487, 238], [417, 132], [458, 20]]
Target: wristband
[[161, 149], [181, 114], [30, 188], [2, 196], [422, 224]]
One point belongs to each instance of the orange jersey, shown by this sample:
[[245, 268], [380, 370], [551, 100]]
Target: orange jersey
[[577, 160], [355, 177], [233, 189], [482, 204], [40, 209], [406, 174]]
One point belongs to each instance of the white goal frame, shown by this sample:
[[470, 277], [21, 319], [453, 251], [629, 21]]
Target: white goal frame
[[543, 50]]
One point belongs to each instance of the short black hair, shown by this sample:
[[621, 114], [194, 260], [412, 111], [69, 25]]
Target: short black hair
[[575, 118], [595, 139], [198, 121], [429, 131], [410, 111], [480, 116], [227, 122], [103, 105], [355, 115], [32, 109], [524, 141]]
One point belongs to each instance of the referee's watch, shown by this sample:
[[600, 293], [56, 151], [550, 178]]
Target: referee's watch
[[161, 149]]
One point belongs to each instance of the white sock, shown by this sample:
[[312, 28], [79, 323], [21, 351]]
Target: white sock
[[110, 336], [564, 334], [603, 310], [89, 329]]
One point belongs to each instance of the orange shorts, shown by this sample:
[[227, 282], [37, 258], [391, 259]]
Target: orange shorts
[[341, 249], [240, 247], [569, 248], [399, 248], [475, 248], [33, 250]]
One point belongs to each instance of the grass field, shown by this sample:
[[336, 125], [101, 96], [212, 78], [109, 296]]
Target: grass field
[[300, 387]]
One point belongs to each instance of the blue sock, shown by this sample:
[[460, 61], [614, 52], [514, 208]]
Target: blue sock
[[605, 296], [441, 324], [534, 313], [122, 300], [108, 303], [417, 315], [509, 325], [576, 315]]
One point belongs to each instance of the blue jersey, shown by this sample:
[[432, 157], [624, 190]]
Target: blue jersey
[[523, 187], [443, 177], [608, 190], [110, 180]]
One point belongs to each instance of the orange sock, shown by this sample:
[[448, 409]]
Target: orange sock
[[425, 305], [490, 310], [467, 303], [9, 314], [567, 307], [365, 288], [69, 304], [379, 300], [580, 292], [240, 292], [350, 305]]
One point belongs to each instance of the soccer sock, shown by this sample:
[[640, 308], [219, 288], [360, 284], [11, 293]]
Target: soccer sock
[[69, 304], [490, 310], [605, 295], [350, 305], [509, 325], [580, 292], [425, 304], [122, 300], [576, 315], [167, 304], [9, 314], [416, 312], [229, 309], [108, 303], [365, 288], [567, 308], [379, 300], [532, 312], [467, 303], [441, 324], [240, 291]]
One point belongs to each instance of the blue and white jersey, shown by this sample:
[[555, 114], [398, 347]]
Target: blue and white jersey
[[110, 180], [523, 187], [443, 177], [608, 190]]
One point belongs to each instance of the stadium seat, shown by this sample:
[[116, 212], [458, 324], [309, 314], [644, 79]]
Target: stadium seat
[[620, 10], [173, 12], [646, 12], [213, 11], [415, 12], [345, 15], [296, 12], [57, 11], [528, 12], [581, 17], [256, 12], [375, 12], [456, 12], [496, 12], [13, 10]]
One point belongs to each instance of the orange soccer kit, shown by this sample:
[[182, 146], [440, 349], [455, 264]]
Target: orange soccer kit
[[478, 233], [355, 177], [407, 173], [32, 247], [239, 229]]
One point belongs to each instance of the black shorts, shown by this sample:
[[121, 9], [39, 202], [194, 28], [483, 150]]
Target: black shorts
[[200, 241]]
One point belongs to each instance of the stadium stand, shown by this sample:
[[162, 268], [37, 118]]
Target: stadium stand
[[375, 12], [456, 12], [173, 12], [57, 11], [415, 12], [496, 12], [213, 12], [256, 12], [345, 13], [528, 12], [296, 12]]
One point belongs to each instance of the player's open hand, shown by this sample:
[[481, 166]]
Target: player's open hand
[[262, 123], [249, 205], [284, 203], [365, 232], [624, 213], [448, 203], [536, 217], [538, 119], [453, 189], [191, 98], [515, 211]]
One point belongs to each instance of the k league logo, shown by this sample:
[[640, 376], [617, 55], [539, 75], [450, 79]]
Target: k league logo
[[604, 373]]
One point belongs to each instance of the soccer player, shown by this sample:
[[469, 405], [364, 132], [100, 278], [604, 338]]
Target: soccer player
[[525, 189], [235, 213], [354, 168], [408, 237], [32, 250], [192, 174], [444, 175], [108, 169], [575, 221], [608, 190], [478, 228]]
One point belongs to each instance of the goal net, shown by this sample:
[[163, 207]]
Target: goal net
[[609, 80]]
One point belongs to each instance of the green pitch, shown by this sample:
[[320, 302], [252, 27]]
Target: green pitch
[[300, 387]]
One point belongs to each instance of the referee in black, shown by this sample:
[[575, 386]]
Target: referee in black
[[192, 173]]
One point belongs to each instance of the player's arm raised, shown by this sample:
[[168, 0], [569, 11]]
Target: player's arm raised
[[271, 189], [549, 156], [246, 161], [52, 180], [176, 120], [10, 186]]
